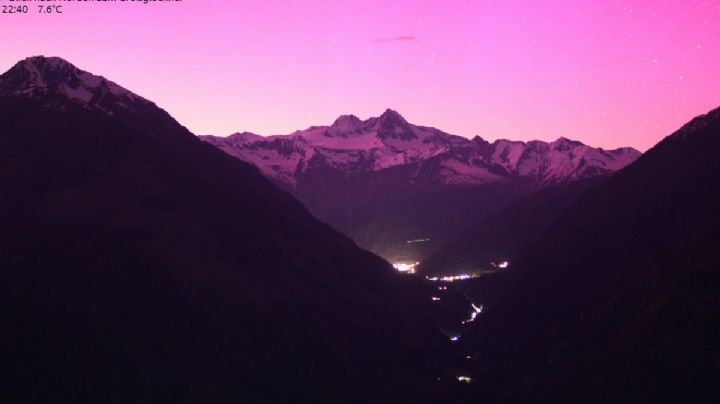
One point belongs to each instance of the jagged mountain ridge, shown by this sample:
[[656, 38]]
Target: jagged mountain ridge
[[139, 264], [351, 145], [618, 300], [53, 76], [386, 182]]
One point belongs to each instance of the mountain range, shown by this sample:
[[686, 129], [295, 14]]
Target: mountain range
[[352, 146], [388, 183], [617, 300], [139, 264]]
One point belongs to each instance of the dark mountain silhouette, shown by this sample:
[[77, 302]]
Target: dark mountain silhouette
[[618, 302], [499, 238], [139, 264]]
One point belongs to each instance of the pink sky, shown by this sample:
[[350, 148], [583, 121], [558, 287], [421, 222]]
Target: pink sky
[[609, 73]]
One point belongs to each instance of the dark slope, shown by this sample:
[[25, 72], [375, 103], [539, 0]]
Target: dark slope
[[503, 235], [387, 183], [620, 300], [138, 264], [384, 213]]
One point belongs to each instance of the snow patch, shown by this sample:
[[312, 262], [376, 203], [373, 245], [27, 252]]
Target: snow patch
[[352, 146]]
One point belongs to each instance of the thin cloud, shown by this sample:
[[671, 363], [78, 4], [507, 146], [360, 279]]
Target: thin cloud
[[402, 38]]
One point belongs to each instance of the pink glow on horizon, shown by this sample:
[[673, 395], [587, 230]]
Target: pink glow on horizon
[[608, 73]]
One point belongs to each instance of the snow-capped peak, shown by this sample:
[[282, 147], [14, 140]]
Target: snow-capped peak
[[391, 125], [40, 75], [347, 123], [351, 145], [392, 117], [564, 144]]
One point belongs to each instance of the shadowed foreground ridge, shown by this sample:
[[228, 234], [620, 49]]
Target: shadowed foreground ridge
[[618, 302], [506, 233], [138, 264]]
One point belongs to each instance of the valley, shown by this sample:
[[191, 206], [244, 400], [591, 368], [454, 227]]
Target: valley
[[365, 261], [402, 190]]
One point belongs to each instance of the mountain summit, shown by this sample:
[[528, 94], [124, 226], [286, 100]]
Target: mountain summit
[[617, 301], [139, 264], [351, 145], [386, 182], [54, 77]]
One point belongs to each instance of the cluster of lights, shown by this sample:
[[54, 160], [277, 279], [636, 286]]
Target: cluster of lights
[[463, 276], [476, 310], [465, 379], [435, 298], [404, 267], [451, 278], [420, 240], [455, 338]]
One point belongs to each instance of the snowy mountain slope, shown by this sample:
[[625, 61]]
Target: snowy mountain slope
[[37, 77], [140, 264], [619, 293], [352, 145], [384, 181]]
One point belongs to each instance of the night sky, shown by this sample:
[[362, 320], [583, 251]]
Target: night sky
[[609, 73]]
